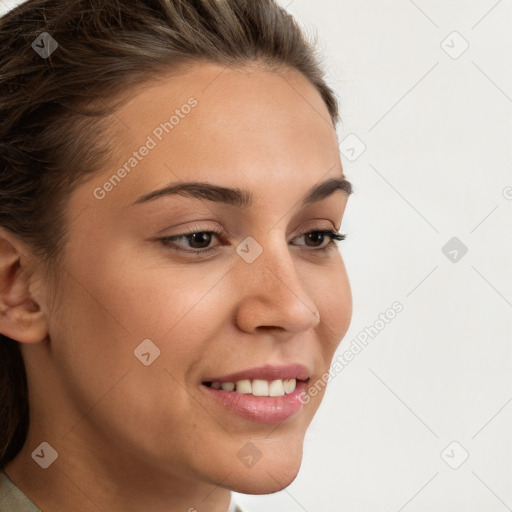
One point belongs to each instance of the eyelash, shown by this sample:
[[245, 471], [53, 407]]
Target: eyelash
[[333, 235]]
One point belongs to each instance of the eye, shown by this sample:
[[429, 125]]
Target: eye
[[318, 238], [198, 242]]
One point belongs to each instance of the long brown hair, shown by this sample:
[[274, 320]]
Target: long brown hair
[[52, 106]]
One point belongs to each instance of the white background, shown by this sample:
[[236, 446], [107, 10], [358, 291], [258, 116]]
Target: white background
[[436, 127]]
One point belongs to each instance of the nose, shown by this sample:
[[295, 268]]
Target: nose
[[272, 294]]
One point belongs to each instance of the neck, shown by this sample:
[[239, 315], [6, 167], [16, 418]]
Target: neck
[[85, 479]]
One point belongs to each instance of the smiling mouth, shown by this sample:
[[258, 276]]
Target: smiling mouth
[[257, 387]]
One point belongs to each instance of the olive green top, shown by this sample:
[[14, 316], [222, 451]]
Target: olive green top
[[12, 499]]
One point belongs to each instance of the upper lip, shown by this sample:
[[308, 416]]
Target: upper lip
[[267, 372]]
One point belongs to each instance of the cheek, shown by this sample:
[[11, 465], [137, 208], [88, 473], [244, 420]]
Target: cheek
[[94, 336], [112, 304], [174, 308]]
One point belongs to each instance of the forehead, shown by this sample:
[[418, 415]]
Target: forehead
[[215, 85], [236, 110], [243, 127]]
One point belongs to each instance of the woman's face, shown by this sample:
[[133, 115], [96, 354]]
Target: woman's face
[[142, 324]]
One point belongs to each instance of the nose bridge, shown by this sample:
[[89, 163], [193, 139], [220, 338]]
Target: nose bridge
[[271, 290]]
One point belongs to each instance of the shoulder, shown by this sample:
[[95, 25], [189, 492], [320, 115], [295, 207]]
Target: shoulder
[[11, 498]]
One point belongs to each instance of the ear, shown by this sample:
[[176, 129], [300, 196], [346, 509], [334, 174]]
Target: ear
[[21, 318]]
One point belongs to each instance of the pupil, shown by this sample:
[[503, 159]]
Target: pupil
[[203, 239], [316, 237]]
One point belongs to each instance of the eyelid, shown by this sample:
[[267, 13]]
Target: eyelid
[[319, 225], [195, 227]]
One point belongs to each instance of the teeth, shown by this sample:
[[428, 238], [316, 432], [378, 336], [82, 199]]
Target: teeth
[[258, 387], [289, 385], [276, 388], [244, 386]]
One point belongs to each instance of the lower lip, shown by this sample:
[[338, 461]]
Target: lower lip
[[260, 409]]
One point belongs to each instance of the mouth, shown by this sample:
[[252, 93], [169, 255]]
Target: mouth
[[263, 395]]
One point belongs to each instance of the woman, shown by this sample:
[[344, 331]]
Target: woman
[[171, 293]]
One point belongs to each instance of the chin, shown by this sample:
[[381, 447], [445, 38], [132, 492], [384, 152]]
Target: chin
[[272, 473], [261, 482]]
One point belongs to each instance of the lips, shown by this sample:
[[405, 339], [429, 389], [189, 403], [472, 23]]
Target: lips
[[267, 394]]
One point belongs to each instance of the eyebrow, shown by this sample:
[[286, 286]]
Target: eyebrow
[[242, 198]]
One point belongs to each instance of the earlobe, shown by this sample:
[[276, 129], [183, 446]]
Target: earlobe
[[21, 317]]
